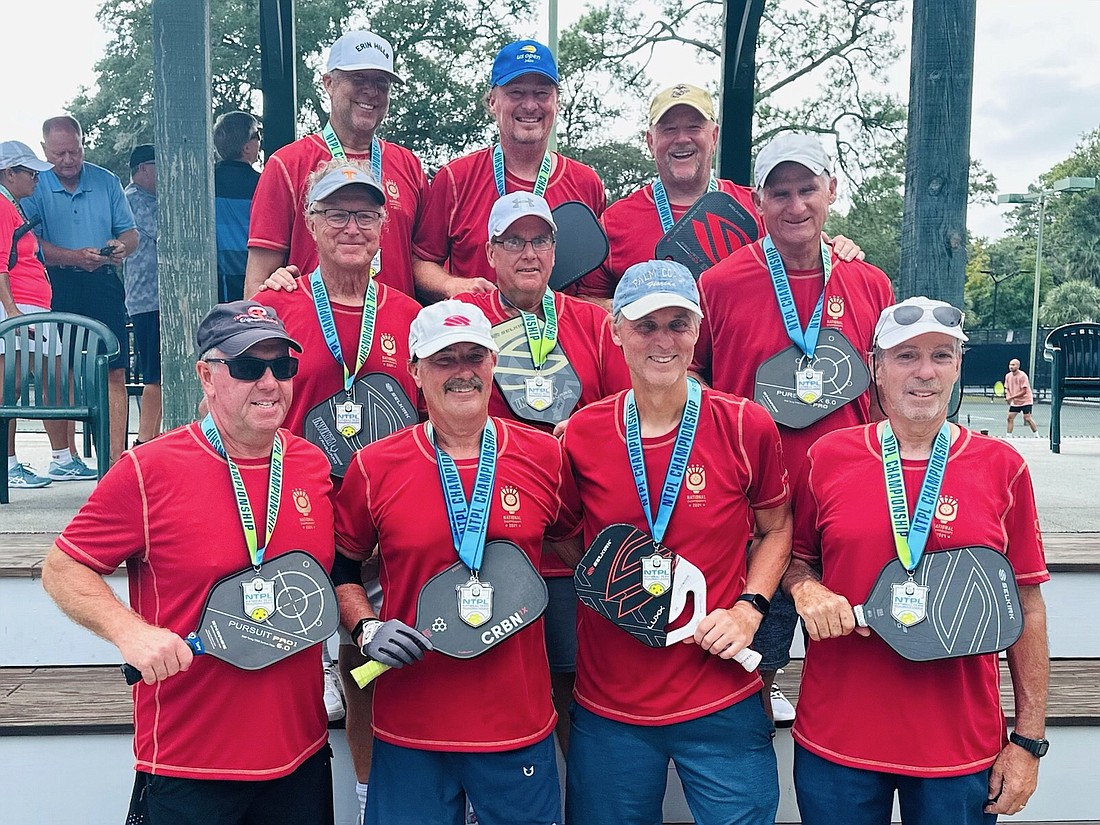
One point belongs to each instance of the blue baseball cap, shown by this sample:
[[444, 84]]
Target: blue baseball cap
[[653, 285], [523, 57]]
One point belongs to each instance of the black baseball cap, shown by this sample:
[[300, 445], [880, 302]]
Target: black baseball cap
[[142, 153], [235, 326]]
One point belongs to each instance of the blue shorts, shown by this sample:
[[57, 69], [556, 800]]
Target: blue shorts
[[559, 623], [147, 344], [726, 763], [417, 787], [829, 793], [775, 634]]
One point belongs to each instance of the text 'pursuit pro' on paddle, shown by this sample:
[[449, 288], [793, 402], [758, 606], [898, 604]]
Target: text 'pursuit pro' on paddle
[[643, 587], [581, 244], [376, 407], [518, 599], [713, 228], [255, 618], [960, 602]]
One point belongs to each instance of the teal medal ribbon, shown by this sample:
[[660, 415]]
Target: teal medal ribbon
[[664, 210], [910, 538], [11, 199], [336, 149], [498, 173], [469, 522], [244, 508], [804, 340], [677, 466], [328, 326]]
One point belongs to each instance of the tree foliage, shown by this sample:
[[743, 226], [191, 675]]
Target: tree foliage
[[1071, 302]]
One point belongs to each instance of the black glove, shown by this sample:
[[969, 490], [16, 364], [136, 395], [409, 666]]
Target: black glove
[[393, 643]]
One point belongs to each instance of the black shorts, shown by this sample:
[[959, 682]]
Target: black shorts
[[1024, 408], [147, 344], [99, 295]]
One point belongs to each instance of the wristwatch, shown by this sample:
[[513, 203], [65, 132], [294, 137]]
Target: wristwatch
[[757, 601], [1036, 747], [368, 627]]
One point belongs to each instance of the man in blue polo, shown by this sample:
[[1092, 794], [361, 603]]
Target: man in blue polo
[[87, 229]]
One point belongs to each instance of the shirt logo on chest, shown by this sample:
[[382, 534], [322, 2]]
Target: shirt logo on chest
[[947, 510], [695, 479], [389, 348], [510, 501], [304, 507]]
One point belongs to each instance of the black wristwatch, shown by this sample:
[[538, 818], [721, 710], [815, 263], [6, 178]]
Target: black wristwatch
[[757, 601], [1036, 747], [360, 626]]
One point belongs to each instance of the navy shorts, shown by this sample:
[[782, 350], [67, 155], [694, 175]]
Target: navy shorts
[[147, 344], [560, 624], [99, 295], [1023, 408]]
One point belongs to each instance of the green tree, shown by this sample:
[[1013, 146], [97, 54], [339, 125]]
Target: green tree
[[1012, 262], [1071, 302]]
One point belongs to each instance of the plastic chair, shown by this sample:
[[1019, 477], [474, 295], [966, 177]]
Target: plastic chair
[[65, 377], [1076, 371]]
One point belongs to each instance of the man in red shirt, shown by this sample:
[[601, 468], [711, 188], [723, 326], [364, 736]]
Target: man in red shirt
[[208, 748], [436, 497], [759, 302], [870, 723], [358, 80], [449, 246], [1019, 397], [712, 465]]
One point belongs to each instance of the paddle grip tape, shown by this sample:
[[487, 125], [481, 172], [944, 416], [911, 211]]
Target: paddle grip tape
[[133, 675], [365, 674]]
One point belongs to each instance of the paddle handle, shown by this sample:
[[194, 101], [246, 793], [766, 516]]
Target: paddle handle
[[748, 658], [365, 674], [133, 675], [861, 617]]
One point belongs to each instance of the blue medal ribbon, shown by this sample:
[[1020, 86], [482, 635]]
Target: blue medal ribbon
[[677, 465], [911, 538], [244, 508], [498, 173], [660, 199], [469, 523], [328, 326], [336, 149], [805, 341]]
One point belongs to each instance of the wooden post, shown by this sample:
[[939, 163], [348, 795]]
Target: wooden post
[[738, 93], [186, 251], [933, 229]]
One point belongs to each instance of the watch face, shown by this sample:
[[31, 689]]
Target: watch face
[[1042, 746]]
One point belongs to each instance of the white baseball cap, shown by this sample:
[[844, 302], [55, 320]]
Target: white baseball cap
[[359, 50], [437, 326], [16, 153], [515, 205], [793, 147], [916, 316]]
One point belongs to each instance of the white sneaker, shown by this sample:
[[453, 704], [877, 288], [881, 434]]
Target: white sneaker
[[782, 709], [72, 470], [334, 700], [471, 817], [22, 476]]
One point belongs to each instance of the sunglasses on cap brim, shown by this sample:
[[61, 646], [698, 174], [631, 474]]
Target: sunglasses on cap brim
[[907, 314]]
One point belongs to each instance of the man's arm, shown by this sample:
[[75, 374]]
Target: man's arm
[[1015, 774], [85, 598], [826, 614], [727, 631], [86, 258], [434, 283], [261, 263]]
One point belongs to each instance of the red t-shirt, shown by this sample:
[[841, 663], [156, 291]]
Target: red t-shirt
[[454, 226], [392, 496], [584, 335], [29, 284], [278, 221], [167, 510], [924, 719], [736, 465], [319, 375], [633, 228], [742, 328]]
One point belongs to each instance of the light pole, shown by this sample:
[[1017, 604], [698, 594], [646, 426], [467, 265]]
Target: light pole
[[1040, 197], [997, 281]]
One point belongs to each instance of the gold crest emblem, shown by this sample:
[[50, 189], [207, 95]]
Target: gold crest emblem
[[947, 508], [388, 342], [695, 478], [301, 501], [835, 306], [509, 499], [392, 192]]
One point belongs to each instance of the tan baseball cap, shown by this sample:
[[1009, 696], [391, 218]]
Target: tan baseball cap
[[681, 95]]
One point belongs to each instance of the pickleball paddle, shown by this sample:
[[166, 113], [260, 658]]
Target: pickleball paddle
[[612, 579], [971, 605], [581, 245], [290, 604], [713, 228], [519, 599]]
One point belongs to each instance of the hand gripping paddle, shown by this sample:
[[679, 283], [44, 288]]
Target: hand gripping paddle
[[713, 228], [611, 579], [519, 599], [969, 605], [300, 611], [581, 247]]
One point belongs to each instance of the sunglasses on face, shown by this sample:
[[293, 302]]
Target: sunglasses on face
[[32, 172], [247, 368], [948, 316]]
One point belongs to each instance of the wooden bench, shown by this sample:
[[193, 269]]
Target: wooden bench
[[1075, 372]]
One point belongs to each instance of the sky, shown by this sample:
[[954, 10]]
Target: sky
[[1036, 83]]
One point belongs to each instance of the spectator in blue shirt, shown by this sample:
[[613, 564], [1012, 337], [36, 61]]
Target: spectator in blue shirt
[[237, 139]]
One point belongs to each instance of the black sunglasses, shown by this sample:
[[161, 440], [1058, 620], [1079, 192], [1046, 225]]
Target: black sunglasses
[[32, 172], [908, 314], [247, 368]]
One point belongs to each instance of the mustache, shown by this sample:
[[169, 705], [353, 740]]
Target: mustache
[[460, 384]]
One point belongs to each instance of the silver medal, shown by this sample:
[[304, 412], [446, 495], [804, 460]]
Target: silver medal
[[258, 596], [656, 574], [908, 603], [539, 392], [809, 384], [475, 601], [349, 418]]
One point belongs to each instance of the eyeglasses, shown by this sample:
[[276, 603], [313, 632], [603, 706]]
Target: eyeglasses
[[514, 244], [948, 316], [378, 82], [338, 218], [247, 368], [32, 172]]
